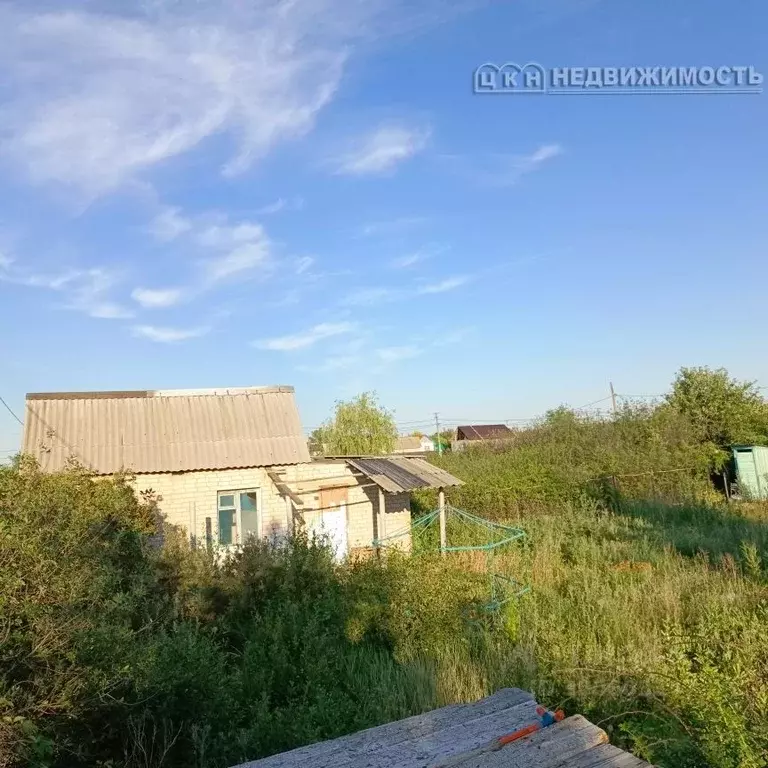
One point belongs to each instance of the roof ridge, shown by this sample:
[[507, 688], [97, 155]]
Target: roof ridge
[[146, 393]]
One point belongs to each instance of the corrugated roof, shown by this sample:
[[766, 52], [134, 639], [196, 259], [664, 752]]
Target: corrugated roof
[[165, 430], [396, 474], [483, 432]]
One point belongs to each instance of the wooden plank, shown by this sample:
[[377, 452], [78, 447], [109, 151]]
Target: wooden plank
[[549, 747], [365, 744], [604, 756], [444, 744], [284, 490]]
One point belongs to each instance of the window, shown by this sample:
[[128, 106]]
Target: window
[[238, 515]]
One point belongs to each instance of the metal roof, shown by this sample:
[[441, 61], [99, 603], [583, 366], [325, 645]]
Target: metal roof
[[165, 430], [483, 432], [397, 474]]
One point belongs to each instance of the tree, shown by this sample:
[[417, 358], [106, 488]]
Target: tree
[[359, 427], [722, 410], [443, 440]]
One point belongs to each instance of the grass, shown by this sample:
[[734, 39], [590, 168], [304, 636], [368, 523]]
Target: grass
[[650, 620], [648, 617]]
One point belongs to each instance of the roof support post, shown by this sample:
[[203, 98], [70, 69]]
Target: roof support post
[[381, 510], [441, 507], [290, 528]]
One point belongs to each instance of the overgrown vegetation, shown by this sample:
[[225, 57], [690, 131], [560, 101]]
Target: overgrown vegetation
[[648, 612]]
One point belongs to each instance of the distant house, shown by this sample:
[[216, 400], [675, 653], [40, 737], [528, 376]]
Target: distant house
[[226, 464], [480, 433], [414, 444]]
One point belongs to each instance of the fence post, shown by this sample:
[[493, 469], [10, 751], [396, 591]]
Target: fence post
[[441, 507]]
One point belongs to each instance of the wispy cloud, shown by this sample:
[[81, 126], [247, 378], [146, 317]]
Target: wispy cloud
[[416, 257], [363, 297], [502, 170], [103, 97], [442, 286], [82, 290], [382, 150], [281, 204], [303, 264], [392, 226], [224, 249], [456, 336], [165, 335], [396, 354], [169, 224], [154, 298], [306, 338]]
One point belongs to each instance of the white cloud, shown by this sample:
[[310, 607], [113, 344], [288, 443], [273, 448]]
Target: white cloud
[[363, 297], [102, 97], [411, 259], [448, 284], [303, 264], [154, 298], [84, 290], [169, 224], [417, 257], [382, 150], [228, 236], [393, 226], [88, 292], [502, 170], [244, 258], [453, 337], [541, 154], [307, 338], [396, 354], [163, 335], [281, 204]]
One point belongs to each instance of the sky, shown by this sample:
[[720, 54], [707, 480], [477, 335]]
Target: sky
[[308, 192]]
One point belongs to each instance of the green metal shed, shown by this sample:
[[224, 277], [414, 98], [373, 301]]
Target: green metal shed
[[752, 470]]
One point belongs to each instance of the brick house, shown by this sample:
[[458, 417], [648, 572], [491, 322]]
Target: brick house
[[224, 463]]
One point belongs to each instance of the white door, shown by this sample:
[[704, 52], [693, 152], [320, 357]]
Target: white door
[[332, 524]]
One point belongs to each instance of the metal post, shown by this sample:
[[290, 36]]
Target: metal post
[[613, 399], [441, 507]]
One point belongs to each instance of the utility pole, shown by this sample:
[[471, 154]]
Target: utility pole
[[613, 398], [439, 439]]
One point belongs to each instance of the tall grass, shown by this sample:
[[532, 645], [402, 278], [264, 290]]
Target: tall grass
[[650, 617]]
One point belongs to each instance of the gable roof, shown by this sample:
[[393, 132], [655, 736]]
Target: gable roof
[[483, 432], [165, 430]]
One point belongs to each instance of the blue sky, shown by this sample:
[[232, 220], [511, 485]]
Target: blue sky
[[202, 194]]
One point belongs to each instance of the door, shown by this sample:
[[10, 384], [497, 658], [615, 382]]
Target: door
[[331, 521]]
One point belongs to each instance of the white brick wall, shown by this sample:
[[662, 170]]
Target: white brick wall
[[187, 498]]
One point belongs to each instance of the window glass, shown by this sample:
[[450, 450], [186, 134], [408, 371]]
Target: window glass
[[226, 525], [248, 500], [227, 500], [249, 513]]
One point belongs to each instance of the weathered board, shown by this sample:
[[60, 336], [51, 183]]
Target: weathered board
[[465, 736]]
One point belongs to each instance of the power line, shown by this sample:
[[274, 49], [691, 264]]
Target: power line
[[8, 408]]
